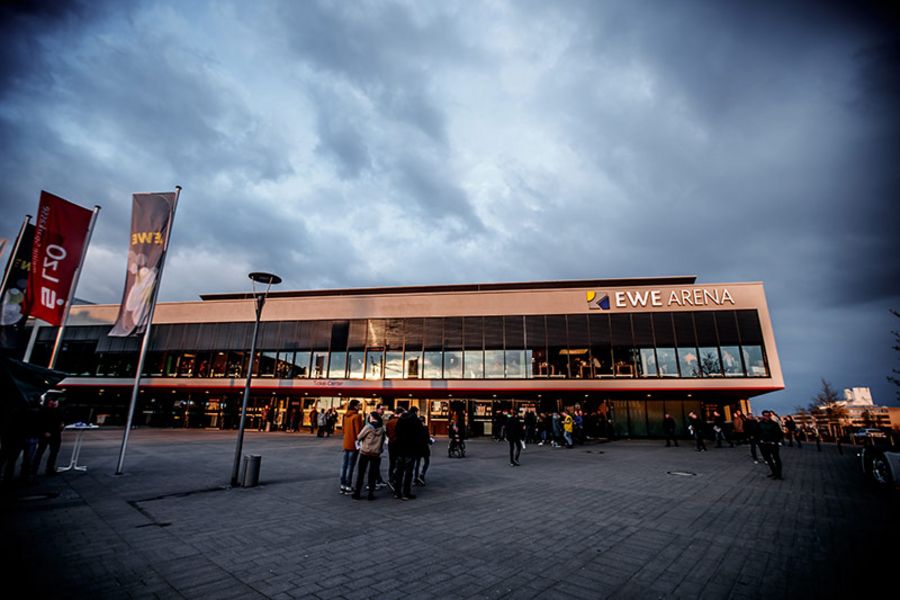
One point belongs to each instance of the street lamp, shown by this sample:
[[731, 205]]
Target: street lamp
[[268, 280]]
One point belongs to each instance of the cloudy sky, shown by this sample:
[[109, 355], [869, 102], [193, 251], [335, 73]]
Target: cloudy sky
[[390, 143]]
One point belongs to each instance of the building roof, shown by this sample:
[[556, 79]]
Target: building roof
[[469, 287]]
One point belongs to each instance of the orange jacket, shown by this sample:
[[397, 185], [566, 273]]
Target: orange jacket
[[352, 425]]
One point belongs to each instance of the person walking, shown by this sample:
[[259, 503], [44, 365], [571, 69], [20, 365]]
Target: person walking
[[423, 459], [695, 426], [737, 434], [530, 427], [322, 423], [352, 425], [514, 438], [557, 428], [771, 437], [371, 444], [669, 427], [568, 427], [792, 433]]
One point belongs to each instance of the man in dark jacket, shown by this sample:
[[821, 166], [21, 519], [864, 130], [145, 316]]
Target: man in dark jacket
[[407, 446], [514, 437], [51, 425], [751, 431], [696, 425], [669, 429], [770, 439]]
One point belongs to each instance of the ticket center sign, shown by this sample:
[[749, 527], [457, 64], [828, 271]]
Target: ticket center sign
[[658, 298]]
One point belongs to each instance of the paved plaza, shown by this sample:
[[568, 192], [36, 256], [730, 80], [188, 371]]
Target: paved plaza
[[625, 519]]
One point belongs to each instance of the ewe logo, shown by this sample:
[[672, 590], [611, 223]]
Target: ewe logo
[[598, 301]]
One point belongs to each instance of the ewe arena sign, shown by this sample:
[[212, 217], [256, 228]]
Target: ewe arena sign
[[681, 298]]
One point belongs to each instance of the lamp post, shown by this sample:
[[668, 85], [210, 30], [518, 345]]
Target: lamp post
[[267, 279]]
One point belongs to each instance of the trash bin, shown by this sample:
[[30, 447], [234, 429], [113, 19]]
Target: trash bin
[[250, 470]]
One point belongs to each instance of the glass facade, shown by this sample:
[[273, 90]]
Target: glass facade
[[579, 346]]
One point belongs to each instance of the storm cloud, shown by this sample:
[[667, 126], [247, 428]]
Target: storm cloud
[[393, 143]]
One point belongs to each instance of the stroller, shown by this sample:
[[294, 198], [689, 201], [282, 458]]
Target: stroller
[[457, 446]]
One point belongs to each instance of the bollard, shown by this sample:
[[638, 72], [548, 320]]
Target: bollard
[[250, 470]]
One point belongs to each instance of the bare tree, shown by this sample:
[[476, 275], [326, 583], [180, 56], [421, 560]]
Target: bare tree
[[827, 404]]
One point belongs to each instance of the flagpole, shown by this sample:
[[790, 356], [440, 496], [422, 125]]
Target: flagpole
[[146, 341], [59, 334], [13, 252]]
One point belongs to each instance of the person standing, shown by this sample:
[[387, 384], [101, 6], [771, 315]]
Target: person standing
[[371, 444], [770, 438], [514, 438], [530, 427], [738, 427], [751, 431], [322, 423], [352, 425], [313, 420], [719, 428], [393, 454], [51, 422], [669, 427], [695, 425], [423, 459], [407, 442], [791, 426], [557, 428]]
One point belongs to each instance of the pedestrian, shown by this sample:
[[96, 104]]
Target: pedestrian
[[331, 421], [791, 427], [313, 420], [424, 457], [352, 425], [771, 437], [455, 435], [695, 427], [322, 423], [738, 427], [578, 433], [557, 428], [568, 427], [669, 427], [371, 444], [719, 429], [295, 419], [751, 430], [514, 438], [51, 422], [393, 453], [408, 440], [530, 427]]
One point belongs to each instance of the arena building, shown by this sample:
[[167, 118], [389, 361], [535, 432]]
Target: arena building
[[624, 350]]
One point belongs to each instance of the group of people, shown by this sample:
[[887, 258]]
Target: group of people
[[766, 434], [409, 451], [563, 428], [29, 431], [322, 422]]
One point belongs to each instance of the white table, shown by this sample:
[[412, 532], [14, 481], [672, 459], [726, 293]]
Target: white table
[[79, 429]]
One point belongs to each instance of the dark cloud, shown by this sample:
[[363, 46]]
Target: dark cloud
[[348, 144]]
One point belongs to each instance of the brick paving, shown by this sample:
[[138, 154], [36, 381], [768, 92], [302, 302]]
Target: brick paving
[[598, 521]]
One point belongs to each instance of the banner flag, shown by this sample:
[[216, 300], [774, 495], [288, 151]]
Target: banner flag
[[151, 218], [12, 313], [60, 230]]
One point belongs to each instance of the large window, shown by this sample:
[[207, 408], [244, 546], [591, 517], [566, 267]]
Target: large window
[[726, 343]]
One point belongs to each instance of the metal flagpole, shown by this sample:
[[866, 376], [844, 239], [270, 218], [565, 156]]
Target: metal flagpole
[[59, 334], [13, 252], [146, 341], [35, 329]]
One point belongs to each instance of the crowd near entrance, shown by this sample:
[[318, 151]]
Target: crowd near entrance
[[602, 417]]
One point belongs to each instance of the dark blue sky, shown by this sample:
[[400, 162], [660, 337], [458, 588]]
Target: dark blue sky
[[391, 143]]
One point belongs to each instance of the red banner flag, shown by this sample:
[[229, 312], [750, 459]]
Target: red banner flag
[[60, 230]]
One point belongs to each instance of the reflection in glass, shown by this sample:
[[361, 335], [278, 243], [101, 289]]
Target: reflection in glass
[[374, 363], [337, 368], [413, 364], [753, 358], [474, 364], [453, 364], [666, 362], [515, 364], [648, 362], [687, 359], [710, 365], [393, 364], [493, 364], [731, 361], [219, 364], [265, 366], [301, 364], [319, 364], [433, 364], [356, 364]]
